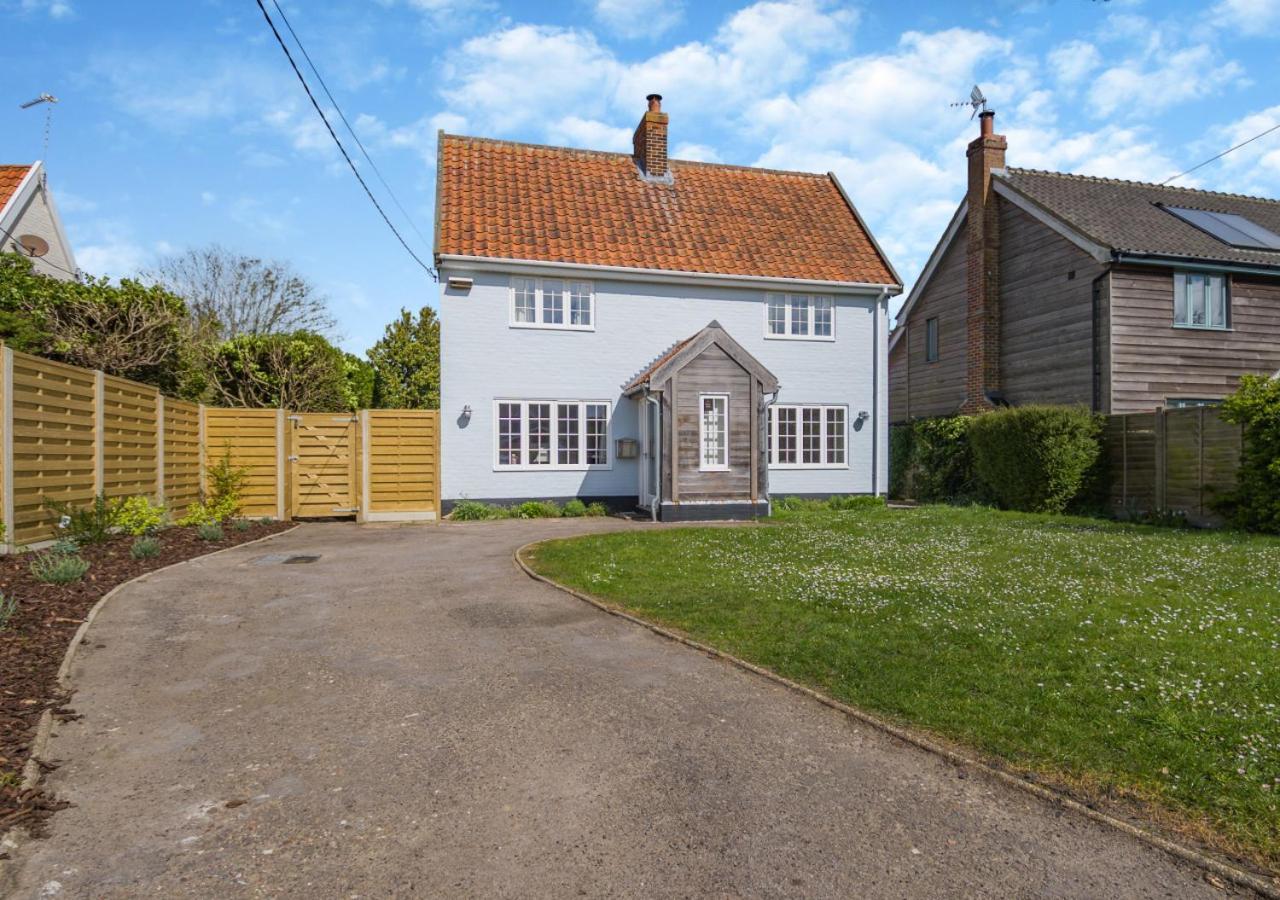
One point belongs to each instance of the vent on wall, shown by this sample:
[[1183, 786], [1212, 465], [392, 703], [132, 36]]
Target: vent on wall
[[1231, 229]]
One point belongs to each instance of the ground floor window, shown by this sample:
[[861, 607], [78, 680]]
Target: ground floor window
[[808, 437], [713, 433], [551, 434]]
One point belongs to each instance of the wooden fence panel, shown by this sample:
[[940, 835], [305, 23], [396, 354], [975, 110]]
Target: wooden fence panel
[[181, 454], [53, 439], [130, 438], [401, 458], [1131, 442], [1184, 480], [254, 437]]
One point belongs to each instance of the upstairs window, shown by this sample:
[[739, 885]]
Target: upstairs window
[[552, 303], [931, 340], [1200, 300], [804, 317]]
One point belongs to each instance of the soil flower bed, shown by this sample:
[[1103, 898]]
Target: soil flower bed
[[35, 639]]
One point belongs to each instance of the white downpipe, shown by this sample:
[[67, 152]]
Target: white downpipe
[[881, 312], [657, 488]]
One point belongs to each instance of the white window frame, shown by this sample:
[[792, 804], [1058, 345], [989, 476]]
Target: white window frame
[[1182, 281], [703, 465], [789, 318], [554, 465], [568, 287], [824, 432]]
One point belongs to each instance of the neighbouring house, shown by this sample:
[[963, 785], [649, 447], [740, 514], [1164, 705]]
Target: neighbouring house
[[684, 337], [1056, 288], [29, 221]]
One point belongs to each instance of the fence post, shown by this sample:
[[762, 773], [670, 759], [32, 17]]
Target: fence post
[[6, 481], [202, 489], [281, 456], [439, 468], [365, 467], [99, 429], [159, 448]]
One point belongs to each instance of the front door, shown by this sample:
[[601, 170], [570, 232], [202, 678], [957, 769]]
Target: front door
[[650, 453], [323, 462]]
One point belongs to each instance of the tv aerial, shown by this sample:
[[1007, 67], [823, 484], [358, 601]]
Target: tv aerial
[[976, 99], [48, 115]]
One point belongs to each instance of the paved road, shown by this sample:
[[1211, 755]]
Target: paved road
[[410, 715]]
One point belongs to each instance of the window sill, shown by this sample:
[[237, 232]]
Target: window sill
[[551, 468], [1201, 328], [802, 466], [827, 339], [713, 468], [538, 326]]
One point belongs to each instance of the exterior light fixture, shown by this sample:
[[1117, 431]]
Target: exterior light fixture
[[466, 411]]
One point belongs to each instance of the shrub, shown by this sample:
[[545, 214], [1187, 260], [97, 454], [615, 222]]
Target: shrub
[[1035, 458], [854, 501], [137, 515], [144, 548], [941, 460], [210, 531], [58, 568], [471, 511], [242, 525], [265, 520], [597, 509], [536, 509], [65, 546], [8, 606], [792, 504], [85, 525], [900, 460], [223, 501], [574, 509], [1255, 502]]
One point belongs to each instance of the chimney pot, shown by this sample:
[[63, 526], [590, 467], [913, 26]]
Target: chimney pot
[[655, 102], [987, 119]]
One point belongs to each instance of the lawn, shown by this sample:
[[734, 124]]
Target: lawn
[[1118, 660]]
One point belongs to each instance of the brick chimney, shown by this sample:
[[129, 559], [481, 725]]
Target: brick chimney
[[650, 140], [982, 269]]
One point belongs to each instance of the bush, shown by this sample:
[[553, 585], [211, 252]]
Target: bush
[[900, 460], [1035, 458], [242, 525], [854, 501], [597, 509], [941, 469], [1255, 502], [793, 504], [144, 548], [87, 524], [65, 546], [471, 511], [58, 568], [8, 606], [574, 509], [209, 532], [536, 509], [137, 515]]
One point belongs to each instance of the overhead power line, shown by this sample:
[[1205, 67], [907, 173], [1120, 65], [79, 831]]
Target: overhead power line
[[9, 235], [343, 150], [351, 131], [1262, 134]]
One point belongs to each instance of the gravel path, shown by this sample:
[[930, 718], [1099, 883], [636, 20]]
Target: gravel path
[[411, 715]]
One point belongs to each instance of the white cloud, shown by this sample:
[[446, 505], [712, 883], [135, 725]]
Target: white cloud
[[1073, 61], [208, 198], [695, 153], [108, 247], [1249, 17], [1158, 80], [589, 134], [56, 9], [638, 18], [1254, 168]]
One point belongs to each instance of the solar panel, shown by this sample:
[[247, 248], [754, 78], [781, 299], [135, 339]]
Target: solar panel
[[1228, 228]]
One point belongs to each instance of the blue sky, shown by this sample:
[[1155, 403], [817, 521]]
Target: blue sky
[[181, 123]]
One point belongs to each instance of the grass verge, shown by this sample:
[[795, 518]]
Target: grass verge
[[1121, 661]]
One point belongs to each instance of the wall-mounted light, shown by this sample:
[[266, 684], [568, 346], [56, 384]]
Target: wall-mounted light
[[864, 415], [466, 411], [458, 283]]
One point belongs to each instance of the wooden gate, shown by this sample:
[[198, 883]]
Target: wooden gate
[[323, 464]]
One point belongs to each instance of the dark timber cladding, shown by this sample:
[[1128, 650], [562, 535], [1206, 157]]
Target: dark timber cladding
[[714, 372], [1154, 362]]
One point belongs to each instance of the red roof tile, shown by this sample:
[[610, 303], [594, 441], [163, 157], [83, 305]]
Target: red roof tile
[[10, 178], [552, 204]]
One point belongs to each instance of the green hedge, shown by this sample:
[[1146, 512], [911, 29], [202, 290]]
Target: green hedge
[[1255, 502], [1035, 458], [941, 461]]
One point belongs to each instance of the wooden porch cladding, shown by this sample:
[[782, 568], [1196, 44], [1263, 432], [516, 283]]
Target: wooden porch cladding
[[714, 372]]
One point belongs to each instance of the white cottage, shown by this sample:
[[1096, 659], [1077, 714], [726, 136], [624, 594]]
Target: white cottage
[[686, 338]]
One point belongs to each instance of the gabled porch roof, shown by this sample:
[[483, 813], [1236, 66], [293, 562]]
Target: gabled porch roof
[[658, 372]]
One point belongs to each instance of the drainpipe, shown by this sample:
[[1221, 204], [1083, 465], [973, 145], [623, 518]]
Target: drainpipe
[[764, 436], [657, 488], [881, 310]]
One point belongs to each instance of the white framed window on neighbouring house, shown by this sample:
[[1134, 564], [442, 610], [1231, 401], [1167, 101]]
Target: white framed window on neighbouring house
[[713, 433], [799, 317], [808, 437], [1200, 300], [531, 435], [552, 303]]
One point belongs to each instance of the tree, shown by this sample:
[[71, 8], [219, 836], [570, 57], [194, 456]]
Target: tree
[[300, 371], [406, 363], [129, 329], [235, 295]]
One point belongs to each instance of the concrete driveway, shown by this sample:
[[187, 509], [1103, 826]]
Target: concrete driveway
[[411, 715]]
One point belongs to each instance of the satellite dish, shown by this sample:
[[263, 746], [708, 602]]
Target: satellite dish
[[32, 245]]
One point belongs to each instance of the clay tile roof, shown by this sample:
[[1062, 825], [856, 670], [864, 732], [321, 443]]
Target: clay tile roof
[[10, 178], [507, 200], [1126, 215]]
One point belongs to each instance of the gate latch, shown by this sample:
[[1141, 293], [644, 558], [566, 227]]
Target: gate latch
[[293, 459]]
